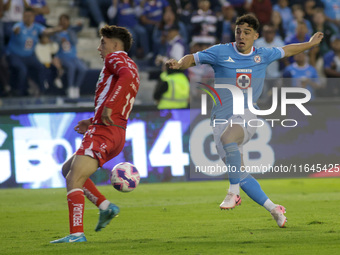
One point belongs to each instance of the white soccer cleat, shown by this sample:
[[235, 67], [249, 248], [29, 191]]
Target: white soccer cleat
[[230, 201], [278, 215]]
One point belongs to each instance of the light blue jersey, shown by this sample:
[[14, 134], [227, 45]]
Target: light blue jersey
[[307, 71], [235, 68], [67, 43], [23, 44]]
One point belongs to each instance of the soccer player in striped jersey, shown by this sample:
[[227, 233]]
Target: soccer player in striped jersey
[[242, 65], [104, 134]]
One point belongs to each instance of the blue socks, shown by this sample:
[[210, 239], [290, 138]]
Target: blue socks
[[253, 189], [247, 182], [233, 160]]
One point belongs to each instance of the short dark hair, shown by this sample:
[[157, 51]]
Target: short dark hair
[[29, 9], [120, 33], [64, 16], [250, 19]]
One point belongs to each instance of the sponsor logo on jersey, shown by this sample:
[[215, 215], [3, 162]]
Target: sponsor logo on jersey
[[244, 70], [243, 80]]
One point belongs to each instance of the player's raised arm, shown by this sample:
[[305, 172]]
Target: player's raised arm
[[295, 48], [184, 63]]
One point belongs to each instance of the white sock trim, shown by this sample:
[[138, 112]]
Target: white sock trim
[[234, 188], [104, 205], [73, 190], [269, 205], [77, 234]]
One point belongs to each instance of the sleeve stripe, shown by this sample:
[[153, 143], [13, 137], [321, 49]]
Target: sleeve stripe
[[282, 51], [121, 68], [197, 59]]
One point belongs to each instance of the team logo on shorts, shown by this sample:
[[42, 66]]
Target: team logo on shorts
[[98, 154], [257, 59], [243, 80]]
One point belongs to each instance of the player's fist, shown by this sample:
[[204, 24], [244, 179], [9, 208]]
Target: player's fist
[[172, 64], [316, 38]]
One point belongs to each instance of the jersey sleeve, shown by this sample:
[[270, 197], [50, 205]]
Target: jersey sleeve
[[327, 60], [121, 89], [165, 3], [287, 72], [40, 28], [272, 54], [114, 63], [16, 25], [315, 76], [126, 76], [207, 56]]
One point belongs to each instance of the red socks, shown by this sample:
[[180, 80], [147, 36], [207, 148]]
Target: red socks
[[76, 201], [92, 193]]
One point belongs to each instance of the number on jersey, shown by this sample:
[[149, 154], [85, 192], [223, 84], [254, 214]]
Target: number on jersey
[[128, 105]]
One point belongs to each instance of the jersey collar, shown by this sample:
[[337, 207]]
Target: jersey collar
[[251, 51], [120, 51]]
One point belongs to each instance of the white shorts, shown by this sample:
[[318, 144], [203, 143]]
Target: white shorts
[[249, 131]]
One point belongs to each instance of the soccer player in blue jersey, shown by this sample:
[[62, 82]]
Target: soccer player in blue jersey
[[20, 52], [244, 66], [303, 74]]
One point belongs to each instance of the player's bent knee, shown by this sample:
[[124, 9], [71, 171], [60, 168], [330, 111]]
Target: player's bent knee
[[74, 181], [228, 140], [232, 135]]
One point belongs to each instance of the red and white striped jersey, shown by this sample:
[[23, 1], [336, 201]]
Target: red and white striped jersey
[[116, 88]]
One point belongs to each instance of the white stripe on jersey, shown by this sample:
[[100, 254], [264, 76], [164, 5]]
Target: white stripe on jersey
[[103, 95]]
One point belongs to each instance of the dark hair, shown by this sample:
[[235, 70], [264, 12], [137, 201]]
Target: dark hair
[[65, 16], [29, 9], [250, 19], [120, 33]]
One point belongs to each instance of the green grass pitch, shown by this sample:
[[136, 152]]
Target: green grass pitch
[[178, 218]]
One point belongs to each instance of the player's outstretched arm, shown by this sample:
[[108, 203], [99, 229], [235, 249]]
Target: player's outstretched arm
[[184, 63], [296, 48]]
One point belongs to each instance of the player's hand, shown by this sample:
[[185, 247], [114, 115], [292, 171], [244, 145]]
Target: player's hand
[[316, 38], [172, 64], [16, 30], [82, 126], [106, 116]]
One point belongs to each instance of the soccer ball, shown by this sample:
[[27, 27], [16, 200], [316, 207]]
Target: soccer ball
[[125, 177]]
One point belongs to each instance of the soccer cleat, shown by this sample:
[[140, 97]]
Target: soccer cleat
[[230, 201], [105, 216], [71, 239], [278, 215]]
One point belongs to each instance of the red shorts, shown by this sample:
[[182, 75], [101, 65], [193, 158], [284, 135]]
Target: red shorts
[[102, 142]]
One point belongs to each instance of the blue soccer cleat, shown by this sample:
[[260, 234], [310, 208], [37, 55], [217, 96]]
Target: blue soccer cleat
[[71, 239], [105, 216]]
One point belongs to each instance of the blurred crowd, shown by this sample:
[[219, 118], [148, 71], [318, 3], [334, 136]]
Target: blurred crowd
[[37, 59], [35, 55]]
